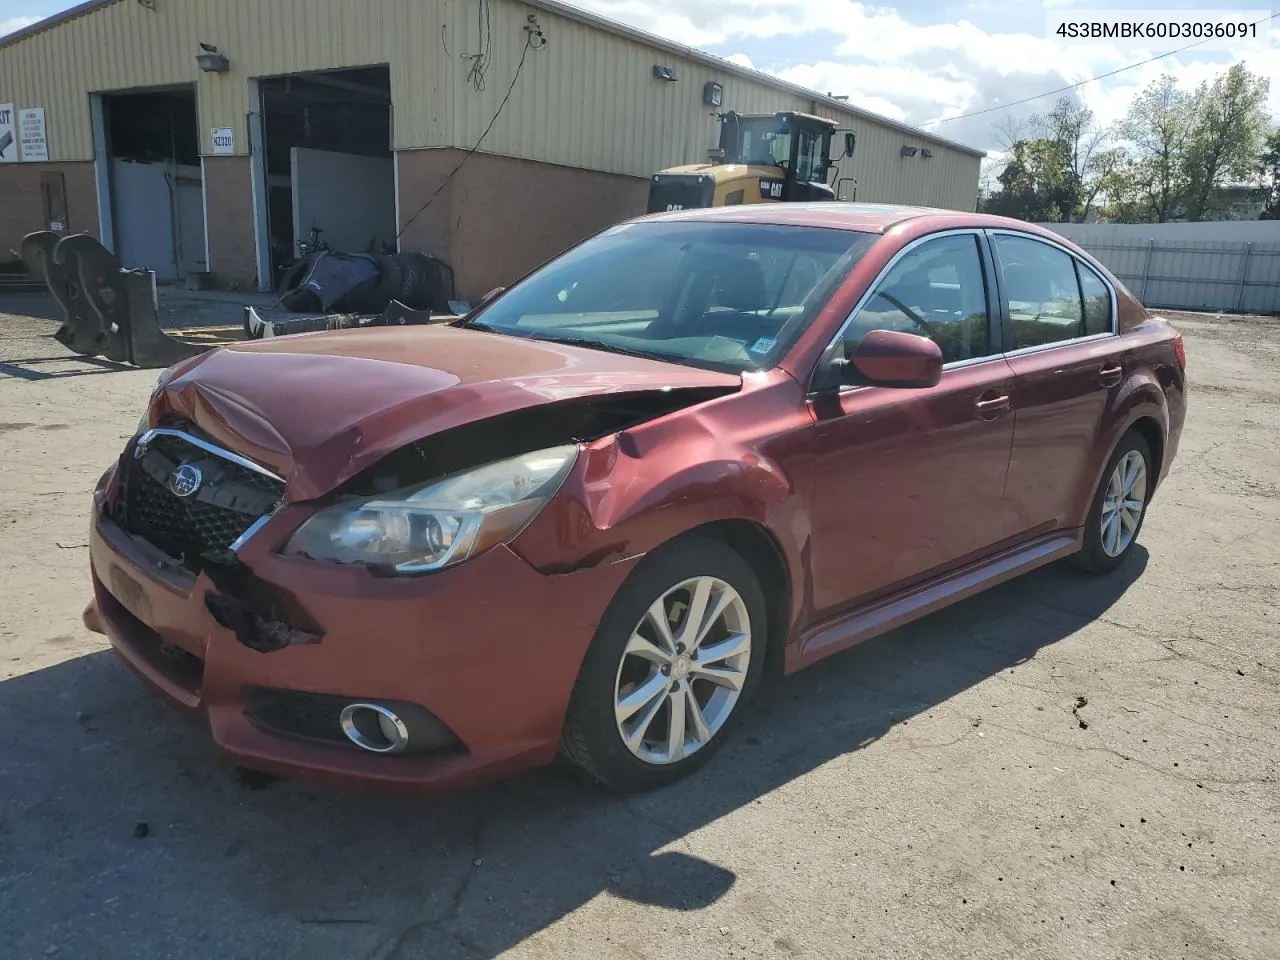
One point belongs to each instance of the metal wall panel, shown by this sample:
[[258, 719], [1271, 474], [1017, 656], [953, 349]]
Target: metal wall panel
[[589, 99], [1237, 275], [1222, 274]]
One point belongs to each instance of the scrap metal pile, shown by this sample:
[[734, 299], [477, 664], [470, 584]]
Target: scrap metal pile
[[330, 282], [395, 315], [110, 311], [341, 291]]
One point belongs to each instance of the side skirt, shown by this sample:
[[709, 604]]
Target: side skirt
[[883, 615]]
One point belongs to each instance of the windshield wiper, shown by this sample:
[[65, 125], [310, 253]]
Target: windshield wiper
[[601, 345]]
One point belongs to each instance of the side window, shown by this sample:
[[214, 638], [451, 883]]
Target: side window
[[1041, 290], [1097, 301], [936, 290]]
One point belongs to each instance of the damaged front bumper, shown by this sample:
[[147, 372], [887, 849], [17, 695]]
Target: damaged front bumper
[[486, 653]]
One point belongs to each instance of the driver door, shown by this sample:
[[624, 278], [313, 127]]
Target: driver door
[[909, 482]]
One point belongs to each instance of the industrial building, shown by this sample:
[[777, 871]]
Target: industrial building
[[211, 136]]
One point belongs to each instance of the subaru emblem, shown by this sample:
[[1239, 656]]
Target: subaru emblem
[[185, 481]]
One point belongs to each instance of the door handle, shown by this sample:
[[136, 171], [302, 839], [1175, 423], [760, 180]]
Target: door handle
[[991, 405], [1110, 374]]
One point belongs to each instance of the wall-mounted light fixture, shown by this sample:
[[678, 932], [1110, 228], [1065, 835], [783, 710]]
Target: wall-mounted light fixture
[[713, 95], [908, 151], [664, 73], [926, 153], [212, 60]]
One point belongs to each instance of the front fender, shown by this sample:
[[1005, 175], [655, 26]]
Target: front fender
[[633, 491]]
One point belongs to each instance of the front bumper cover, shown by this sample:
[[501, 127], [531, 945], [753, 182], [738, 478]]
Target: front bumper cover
[[491, 647]]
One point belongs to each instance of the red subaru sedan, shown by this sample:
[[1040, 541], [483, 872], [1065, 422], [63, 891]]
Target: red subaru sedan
[[586, 519]]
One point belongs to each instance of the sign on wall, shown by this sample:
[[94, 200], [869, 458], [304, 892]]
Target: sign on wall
[[224, 141], [8, 135], [32, 132]]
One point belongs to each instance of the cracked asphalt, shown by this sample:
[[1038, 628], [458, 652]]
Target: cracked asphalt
[[1064, 767]]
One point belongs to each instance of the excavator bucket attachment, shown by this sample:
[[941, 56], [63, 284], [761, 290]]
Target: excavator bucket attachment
[[108, 311]]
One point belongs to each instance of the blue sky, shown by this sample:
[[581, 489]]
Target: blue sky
[[920, 61]]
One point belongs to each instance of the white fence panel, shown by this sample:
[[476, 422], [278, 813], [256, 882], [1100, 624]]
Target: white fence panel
[[1172, 265]]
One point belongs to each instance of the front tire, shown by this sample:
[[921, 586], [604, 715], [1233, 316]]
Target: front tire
[[673, 666], [1119, 506]]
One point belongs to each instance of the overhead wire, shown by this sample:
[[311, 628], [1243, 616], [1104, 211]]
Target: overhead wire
[[1072, 86], [529, 44]]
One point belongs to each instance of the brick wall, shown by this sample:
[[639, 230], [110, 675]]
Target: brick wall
[[229, 202], [501, 217], [22, 203]]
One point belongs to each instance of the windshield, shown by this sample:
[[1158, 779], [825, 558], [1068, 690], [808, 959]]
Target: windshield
[[765, 141], [724, 296]]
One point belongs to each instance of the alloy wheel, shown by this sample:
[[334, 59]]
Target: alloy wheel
[[1123, 502], [683, 670]]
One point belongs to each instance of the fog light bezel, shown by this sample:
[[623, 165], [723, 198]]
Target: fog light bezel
[[374, 739]]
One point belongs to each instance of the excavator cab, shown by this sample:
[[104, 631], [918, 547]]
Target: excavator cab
[[762, 158]]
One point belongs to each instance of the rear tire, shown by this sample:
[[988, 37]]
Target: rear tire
[[651, 683], [1119, 506]]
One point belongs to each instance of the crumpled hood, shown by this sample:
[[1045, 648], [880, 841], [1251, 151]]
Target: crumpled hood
[[318, 408]]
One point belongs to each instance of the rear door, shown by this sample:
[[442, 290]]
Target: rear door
[[1059, 337], [907, 482]]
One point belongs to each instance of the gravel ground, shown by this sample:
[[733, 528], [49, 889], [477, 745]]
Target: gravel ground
[[1064, 767]]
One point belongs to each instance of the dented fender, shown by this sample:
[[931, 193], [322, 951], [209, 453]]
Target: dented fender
[[637, 489]]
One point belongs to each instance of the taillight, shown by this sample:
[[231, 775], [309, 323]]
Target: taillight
[[1180, 351]]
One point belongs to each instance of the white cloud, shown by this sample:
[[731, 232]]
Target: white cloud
[[741, 59], [897, 63], [10, 24]]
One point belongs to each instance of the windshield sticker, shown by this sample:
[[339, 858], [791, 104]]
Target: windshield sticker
[[763, 345]]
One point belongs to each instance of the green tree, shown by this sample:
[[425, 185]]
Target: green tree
[[1125, 187], [1073, 126], [1269, 166], [1102, 169], [1158, 124], [1034, 184], [1227, 132]]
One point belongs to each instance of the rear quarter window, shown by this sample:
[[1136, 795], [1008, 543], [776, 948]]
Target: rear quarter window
[[1097, 301]]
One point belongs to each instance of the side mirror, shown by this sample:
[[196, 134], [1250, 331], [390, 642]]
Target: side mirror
[[850, 141], [889, 358]]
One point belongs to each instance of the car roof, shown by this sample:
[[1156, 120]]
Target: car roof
[[865, 217]]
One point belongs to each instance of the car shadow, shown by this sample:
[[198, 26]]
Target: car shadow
[[123, 836]]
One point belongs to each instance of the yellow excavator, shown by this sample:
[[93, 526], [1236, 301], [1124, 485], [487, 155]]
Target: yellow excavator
[[762, 158]]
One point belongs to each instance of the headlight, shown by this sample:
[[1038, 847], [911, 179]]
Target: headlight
[[437, 524]]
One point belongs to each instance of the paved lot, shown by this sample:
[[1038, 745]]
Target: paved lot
[[1066, 767]]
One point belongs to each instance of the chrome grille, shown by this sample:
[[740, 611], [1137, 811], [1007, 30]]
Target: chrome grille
[[230, 495]]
